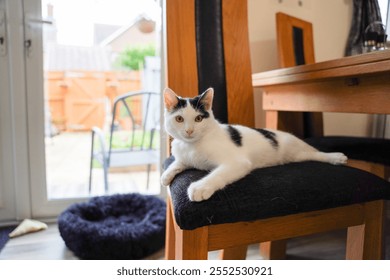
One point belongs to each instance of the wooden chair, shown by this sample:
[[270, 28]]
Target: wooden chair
[[207, 45], [295, 47]]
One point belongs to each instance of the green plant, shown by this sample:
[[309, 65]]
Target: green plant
[[133, 57]]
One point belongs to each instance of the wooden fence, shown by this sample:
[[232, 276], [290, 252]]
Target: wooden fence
[[78, 100]]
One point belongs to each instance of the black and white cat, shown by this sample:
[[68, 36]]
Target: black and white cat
[[229, 152]]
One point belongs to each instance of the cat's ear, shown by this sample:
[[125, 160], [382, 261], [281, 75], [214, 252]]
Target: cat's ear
[[170, 99], [207, 98]]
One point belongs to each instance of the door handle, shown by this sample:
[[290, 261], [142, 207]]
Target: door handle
[[29, 24], [40, 20]]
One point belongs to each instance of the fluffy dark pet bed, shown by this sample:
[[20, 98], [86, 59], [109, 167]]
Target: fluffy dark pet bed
[[130, 226]]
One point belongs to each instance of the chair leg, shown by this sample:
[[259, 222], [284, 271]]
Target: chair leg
[[273, 250], [365, 242], [236, 253], [148, 176], [91, 163], [105, 171], [90, 178], [191, 244], [170, 233]]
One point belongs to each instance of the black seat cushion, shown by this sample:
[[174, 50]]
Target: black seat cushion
[[128, 226], [360, 148], [275, 191]]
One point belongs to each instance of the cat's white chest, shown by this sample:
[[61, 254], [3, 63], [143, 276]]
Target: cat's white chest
[[191, 156]]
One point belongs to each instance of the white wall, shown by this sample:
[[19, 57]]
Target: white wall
[[331, 21]]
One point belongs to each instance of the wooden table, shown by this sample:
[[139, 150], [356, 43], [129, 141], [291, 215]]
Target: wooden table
[[357, 84]]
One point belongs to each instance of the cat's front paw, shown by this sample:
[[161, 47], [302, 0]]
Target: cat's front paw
[[167, 178], [198, 192]]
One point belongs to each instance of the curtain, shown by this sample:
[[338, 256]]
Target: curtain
[[365, 12]]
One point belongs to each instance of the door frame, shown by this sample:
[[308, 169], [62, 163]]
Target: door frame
[[13, 129]]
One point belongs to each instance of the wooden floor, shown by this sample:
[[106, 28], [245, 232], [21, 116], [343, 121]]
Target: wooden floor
[[48, 245]]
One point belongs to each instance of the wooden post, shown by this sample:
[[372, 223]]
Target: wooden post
[[365, 242], [191, 244], [170, 232], [236, 253]]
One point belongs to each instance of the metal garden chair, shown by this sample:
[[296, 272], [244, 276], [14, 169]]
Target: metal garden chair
[[141, 109]]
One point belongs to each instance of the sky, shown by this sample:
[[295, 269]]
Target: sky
[[75, 18], [383, 6]]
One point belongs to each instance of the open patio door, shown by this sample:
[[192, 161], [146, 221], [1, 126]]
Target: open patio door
[[60, 77], [74, 71], [34, 23]]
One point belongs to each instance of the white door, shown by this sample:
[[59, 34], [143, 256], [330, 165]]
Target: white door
[[22, 151], [26, 165]]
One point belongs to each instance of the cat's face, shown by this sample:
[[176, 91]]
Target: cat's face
[[187, 119]]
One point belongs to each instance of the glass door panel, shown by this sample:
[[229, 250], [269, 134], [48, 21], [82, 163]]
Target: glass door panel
[[93, 52]]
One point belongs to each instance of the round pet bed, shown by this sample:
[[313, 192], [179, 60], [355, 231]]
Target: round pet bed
[[130, 226]]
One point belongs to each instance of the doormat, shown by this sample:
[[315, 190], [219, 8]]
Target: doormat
[[4, 231]]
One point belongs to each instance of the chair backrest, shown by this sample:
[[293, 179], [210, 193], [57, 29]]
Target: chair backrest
[[135, 119], [296, 47], [295, 41], [208, 46]]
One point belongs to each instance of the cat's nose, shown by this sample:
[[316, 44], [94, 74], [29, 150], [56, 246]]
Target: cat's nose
[[189, 131]]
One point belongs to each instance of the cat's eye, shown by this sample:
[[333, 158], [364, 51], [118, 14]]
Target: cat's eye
[[198, 118], [179, 119]]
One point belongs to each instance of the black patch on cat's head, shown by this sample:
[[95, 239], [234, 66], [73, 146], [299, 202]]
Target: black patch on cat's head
[[270, 136], [181, 104], [235, 135], [199, 106]]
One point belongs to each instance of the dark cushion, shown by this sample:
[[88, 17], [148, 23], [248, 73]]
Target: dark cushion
[[128, 226], [361, 148], [275, 191]]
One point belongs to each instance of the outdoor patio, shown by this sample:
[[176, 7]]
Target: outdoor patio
[[67, 167]]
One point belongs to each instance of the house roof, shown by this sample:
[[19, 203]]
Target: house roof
[[102, 31], [123, 29], [76, 58]]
